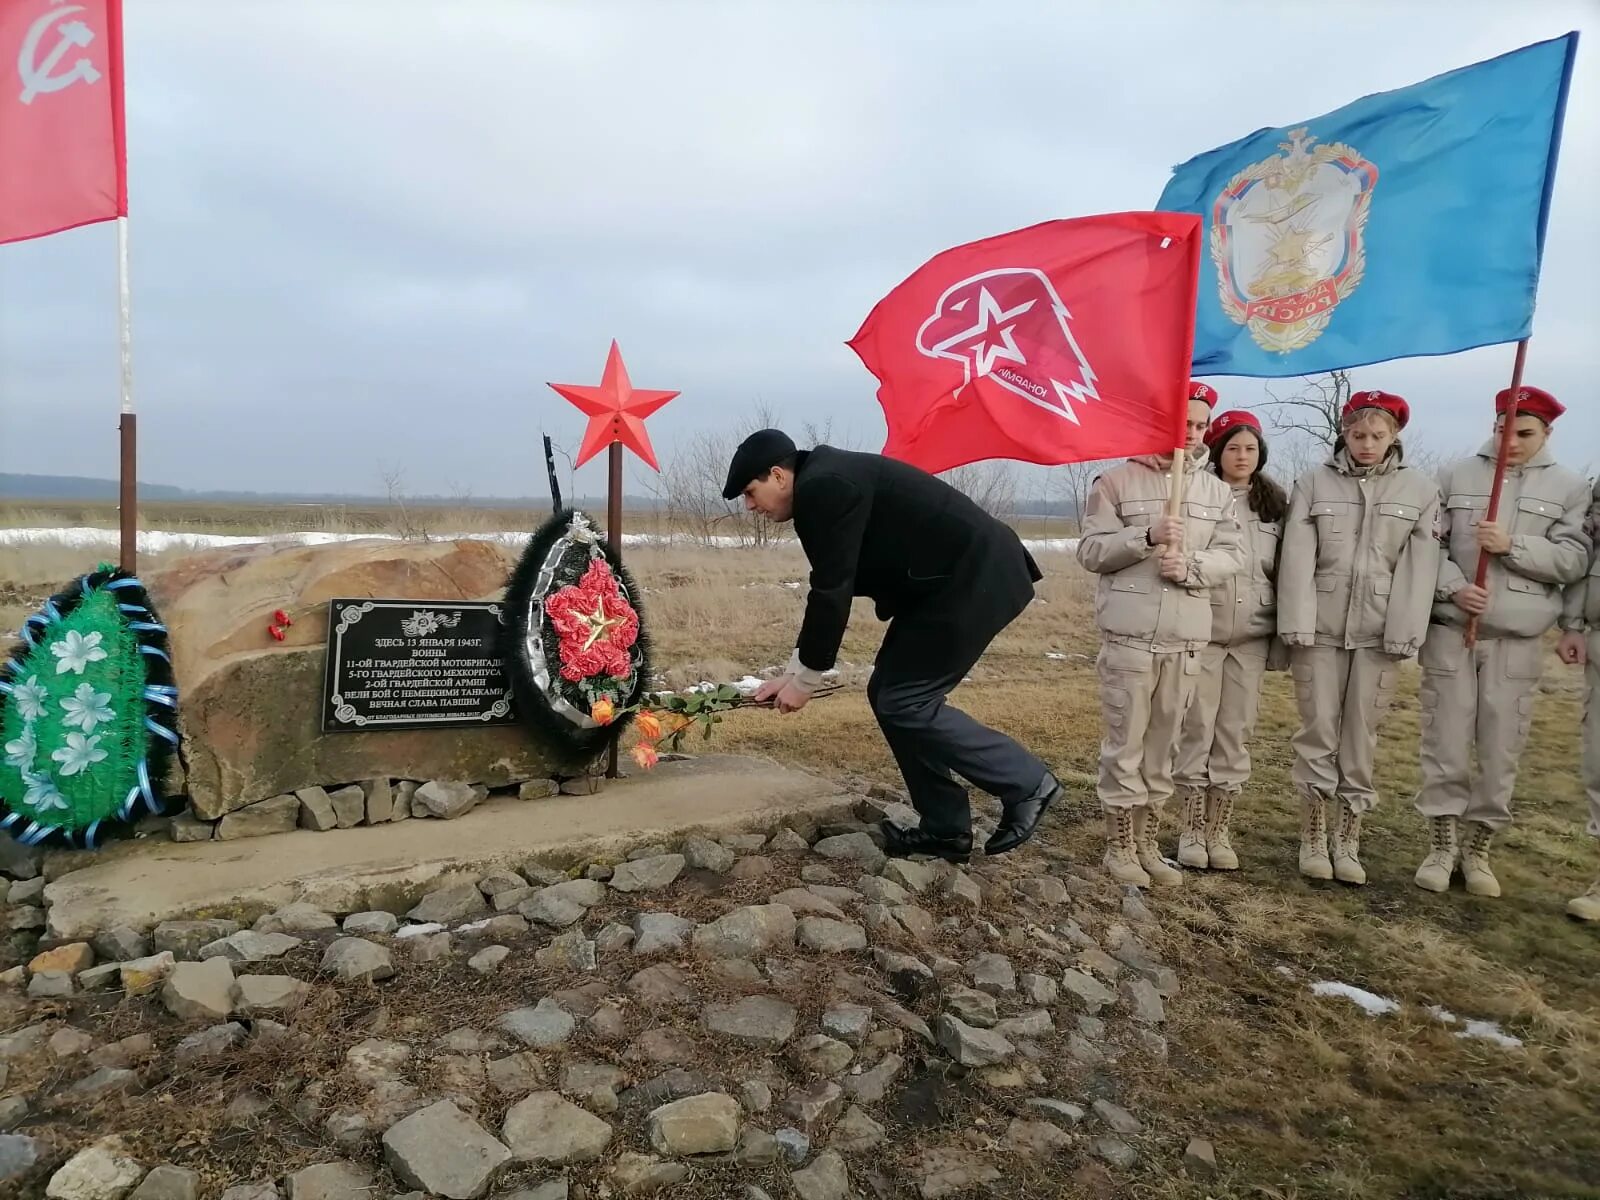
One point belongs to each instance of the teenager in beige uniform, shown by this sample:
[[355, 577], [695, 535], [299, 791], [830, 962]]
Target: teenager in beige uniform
[[1583, 609], [1355, 582], [1154, 617], [1214, 750], [1482, 698]]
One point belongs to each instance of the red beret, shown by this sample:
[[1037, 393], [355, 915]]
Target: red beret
[[1235, 418], [1531, 402], [1203, 391], [1394, 405]]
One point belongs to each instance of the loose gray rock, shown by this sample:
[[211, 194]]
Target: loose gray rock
[[68, 1042], [803, 900], [755, 1095], [538, 789], [445, 800], [249, 946], [853, 847], [993, 973], [869, 1087], [661, 985], [946, 1171], [976, 1008], [1081, 1050], [960, 887], [183, 939], [430, 947], [1093, 994], [570, 951], [377, 1061], [500, 928], [765, 1020], [1058, 1110], [756, 1149], [856, 1133], [545, 1024], [186, 828], [969, 1046], [1044, 889], [18, 1155], [371, 924], [119, 945], [1039, 989], [918, 922], [658, 931], [883, 890], [104, 1082], [262, 995], [277, 815], [909, 977], [492, 884], [450, 904], [1035, 1023], [378, 800], [12, 1111], [1144, 1004], [316, 809], [299, 917], [705, 855], [1119, 1119], [643, 1175], [49, 984], [443, 1151], [20, 918], [1037, 1139], [1200, 1158], [145, 974], [814, 1106], [200, 991], [613, 939], [329, 1181], [913, 876], [517, 1074], [794, 1145], [488, 960], [825, 1179], [551, 908], [848, 1022], [168, 1183], [355, 959], [827, 936], [544, 1127], [787, 841], [103, 1171], [251, 1191], [1115, 1151], [665, 1046], [648, 874], [510, 899], [820, 1054], [1135, 909], [703, 1124], [747, 932], [1153, 1044]]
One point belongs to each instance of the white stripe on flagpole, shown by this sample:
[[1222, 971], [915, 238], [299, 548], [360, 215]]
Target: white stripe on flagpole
[[125, 329]]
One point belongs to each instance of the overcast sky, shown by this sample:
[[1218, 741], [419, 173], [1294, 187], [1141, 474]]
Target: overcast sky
[[367, 233]]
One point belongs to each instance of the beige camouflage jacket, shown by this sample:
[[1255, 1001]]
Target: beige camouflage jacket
[[1244, 607], [1360, 558], [1133, 603], [1582, 605], [1542, 507]]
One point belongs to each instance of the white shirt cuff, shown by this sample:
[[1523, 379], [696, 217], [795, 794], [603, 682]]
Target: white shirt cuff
[[804, 677]]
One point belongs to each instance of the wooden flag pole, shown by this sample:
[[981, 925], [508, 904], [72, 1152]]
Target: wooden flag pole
[[1493, 511], [614, 539], [1175, 500]]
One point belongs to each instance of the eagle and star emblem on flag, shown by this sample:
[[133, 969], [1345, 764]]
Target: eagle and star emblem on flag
[[1286, 239]]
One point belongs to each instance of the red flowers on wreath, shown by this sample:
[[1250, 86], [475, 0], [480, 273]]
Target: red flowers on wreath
[[597, 626]]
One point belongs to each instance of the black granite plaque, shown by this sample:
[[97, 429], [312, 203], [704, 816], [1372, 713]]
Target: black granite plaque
[[414, 664]]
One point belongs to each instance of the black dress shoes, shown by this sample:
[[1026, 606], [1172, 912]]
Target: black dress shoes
[[1019, 820], [903, 843]]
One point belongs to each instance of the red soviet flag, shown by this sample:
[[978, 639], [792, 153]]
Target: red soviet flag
[[1062, 342], [62, 158]]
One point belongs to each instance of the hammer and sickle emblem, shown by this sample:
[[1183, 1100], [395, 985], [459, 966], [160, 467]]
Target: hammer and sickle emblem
[[38, 75]]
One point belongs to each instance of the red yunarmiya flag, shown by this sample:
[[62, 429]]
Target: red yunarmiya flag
[[1063, 342], [62, 156]]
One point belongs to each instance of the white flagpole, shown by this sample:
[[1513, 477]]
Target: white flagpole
[[128, 490]]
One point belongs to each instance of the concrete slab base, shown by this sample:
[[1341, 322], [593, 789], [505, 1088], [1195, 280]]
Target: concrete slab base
[[389, 866]]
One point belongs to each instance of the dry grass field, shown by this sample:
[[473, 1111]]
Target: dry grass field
[[1303, 1096]]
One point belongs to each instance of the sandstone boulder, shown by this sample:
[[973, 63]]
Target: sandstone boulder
[[251, 716]]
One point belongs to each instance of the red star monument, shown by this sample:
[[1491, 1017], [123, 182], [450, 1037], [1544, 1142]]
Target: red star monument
[[616, 411]]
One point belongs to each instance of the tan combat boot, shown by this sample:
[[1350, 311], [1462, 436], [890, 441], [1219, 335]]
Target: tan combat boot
[[1587, 906], [1346, 846], [1219, 838], [1434, 873], [1192, 837], [1475, 861], [1122, 856], [1314, 860], [1146, 824]]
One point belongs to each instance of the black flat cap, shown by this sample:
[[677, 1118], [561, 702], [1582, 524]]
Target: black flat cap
[[756, 455]]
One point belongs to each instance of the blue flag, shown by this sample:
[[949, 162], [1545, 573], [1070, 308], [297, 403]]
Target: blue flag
[[1406, 223]]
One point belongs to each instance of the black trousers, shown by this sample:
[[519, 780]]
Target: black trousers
[[923, 657]]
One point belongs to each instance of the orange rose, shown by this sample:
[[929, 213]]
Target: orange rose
[[602, 712], [649, 725], [645, 755]]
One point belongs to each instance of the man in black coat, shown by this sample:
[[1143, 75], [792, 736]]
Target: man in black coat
[[947, 577]]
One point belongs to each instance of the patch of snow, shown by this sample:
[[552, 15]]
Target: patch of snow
[[1490, 1031], [411, 931], [748, 684], [473, 926], [1055, 655], [1369, 1002], [1441, 1014]]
